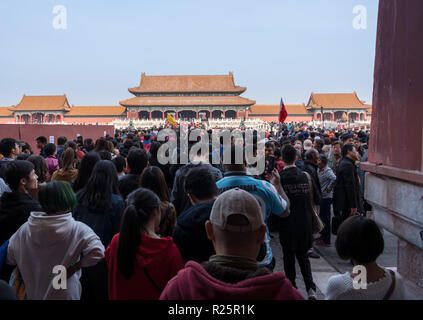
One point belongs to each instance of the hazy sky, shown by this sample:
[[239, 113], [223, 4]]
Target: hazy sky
[[275, 48]]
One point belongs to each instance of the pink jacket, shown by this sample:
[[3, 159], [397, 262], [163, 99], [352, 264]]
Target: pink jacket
[[194, 283], [52, 164]]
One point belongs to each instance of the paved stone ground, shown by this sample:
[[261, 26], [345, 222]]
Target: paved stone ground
[[320, 268], [330, 264]]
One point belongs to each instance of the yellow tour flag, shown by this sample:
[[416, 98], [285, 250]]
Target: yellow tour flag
[[171, 120]]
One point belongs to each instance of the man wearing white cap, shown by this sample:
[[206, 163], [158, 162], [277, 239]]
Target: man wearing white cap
[[237, 229]]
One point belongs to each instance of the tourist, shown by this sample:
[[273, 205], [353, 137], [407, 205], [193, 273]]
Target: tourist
[[101, 144], [101, 208], [51, 238], [137, 161], [153, 179], [334, 158], [61, 146], [190, 235], [154, 161], [360, 241], [179, 197], [88, 145], [346, 196], [237, 230], [311, 159], [79, 153], [9, 150], [26, 148], [41, 170], [271, 193], [318, 145], [140, 263], [85, 169], [120, 164], [105, 155], [67, 172], [347, 138], [327, 181], [295, 231], [15, 206], [278, 160], [41, 143], [308, 144], [52, 162]]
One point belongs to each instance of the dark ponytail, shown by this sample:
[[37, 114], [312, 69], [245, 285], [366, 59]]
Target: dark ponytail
[[141, 205]]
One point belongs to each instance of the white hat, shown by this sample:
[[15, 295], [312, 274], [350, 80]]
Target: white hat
[[308, 144], [240, 202]]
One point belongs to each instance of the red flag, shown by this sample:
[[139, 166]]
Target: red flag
[[283, 114]]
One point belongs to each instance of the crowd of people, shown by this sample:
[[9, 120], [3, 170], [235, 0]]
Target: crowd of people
[[124, 226]]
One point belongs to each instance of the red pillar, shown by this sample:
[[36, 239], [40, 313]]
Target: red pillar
[[196, 115], [149, 115]]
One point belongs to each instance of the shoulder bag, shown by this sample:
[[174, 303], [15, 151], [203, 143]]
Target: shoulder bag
[[316, 223]]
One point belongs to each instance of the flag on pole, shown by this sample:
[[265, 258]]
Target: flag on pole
[[283, 114], [171, 120]]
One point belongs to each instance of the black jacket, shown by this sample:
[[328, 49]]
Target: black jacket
[[311, 169], [179, 197], [15, 208], [346, 194], [295, 231], [190, 233]]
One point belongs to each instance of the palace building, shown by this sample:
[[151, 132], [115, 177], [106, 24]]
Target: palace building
[[333, 106], [185, 97]]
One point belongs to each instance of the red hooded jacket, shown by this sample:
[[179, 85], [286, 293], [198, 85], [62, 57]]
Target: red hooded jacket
[[159, 257], [194, 283]]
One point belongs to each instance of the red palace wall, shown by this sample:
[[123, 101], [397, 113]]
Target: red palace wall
[[275, 118], [90, 120], [29, 133]]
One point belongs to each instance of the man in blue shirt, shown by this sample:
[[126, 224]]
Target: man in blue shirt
[[270, 195]]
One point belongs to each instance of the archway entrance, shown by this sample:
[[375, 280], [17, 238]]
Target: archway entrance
[[217, 114], [204, 114], [144, 115], [230, 114], [187, 114], [157, 115]]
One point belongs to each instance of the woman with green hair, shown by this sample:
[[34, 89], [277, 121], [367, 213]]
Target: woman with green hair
[[47, 249]]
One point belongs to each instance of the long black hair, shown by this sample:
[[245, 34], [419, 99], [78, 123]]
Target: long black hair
[[141, 205], [85, 169], [103, 182]]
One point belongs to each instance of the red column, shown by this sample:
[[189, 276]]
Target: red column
[[149, 115], [211, 115], [163, 114], [196, 115]]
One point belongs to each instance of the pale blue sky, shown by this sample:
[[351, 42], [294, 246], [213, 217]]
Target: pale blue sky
[[276, 48]]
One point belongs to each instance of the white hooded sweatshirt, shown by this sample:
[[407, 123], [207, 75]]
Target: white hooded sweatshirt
[[44, 242]]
